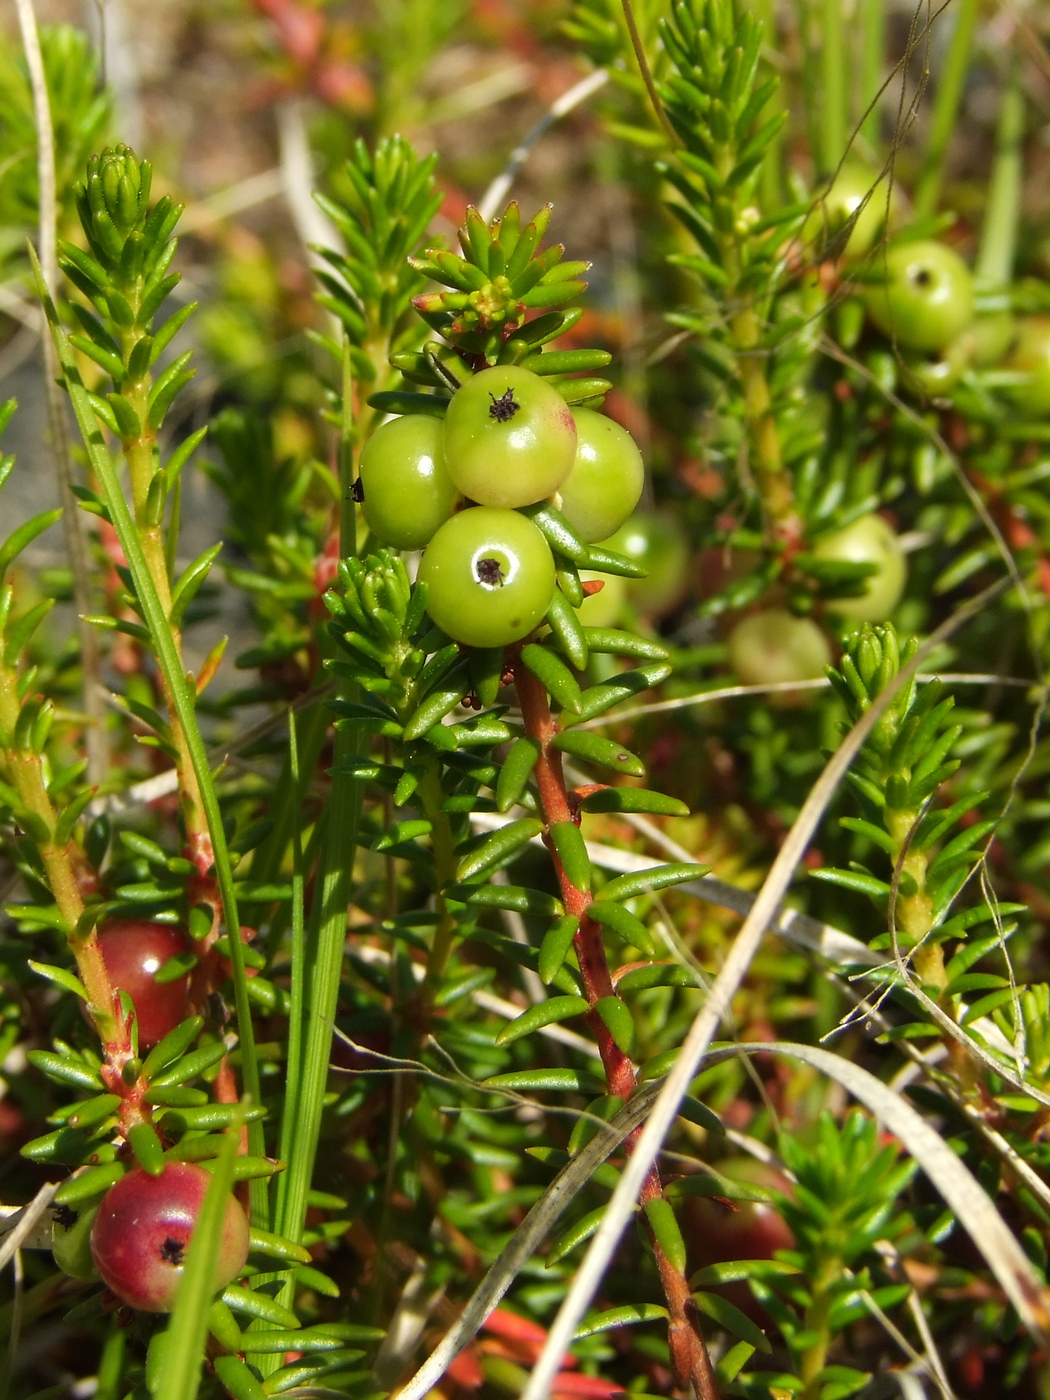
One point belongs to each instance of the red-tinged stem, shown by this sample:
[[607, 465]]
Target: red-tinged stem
[[691, 1363]]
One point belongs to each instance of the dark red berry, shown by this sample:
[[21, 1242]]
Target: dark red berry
[[134, 950], [143, 1228]]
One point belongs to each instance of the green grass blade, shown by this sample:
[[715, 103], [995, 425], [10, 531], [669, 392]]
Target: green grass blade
[[181, 1373], [995, 261], [184, 698], [946, 106]]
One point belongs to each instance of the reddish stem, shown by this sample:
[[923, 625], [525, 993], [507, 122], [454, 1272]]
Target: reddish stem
[[692, 1365]]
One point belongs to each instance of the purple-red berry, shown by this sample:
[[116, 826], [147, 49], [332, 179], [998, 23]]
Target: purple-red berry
[[142, 1232], [134, 950]]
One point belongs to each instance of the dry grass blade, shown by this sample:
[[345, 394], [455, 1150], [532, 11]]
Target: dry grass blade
[[526, 1240], [961, 1190], [32, 1214], [763, 911]]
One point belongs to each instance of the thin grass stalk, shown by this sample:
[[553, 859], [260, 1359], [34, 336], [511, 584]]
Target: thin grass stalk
[[872, 62], [946, 107], [834, 66], [326, 934], [188, 1330], [183, 696], [96, 738], [297, 957], [995, 260]]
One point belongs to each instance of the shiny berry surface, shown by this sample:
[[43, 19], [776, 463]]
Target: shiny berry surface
[[924, 298], [868, 540], [855, 200], [1030, 358], [606, 480], [510, 438], [774, 646], [656, 541], [408, 492], [489, 576], [134, 950], [142, 1232]]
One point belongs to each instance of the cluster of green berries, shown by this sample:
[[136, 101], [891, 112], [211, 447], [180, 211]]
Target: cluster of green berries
[[922, 295], [456, 487]]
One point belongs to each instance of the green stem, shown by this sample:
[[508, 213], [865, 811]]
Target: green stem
[[995, 261], [872, 63], [834, 68], [183, 699], [25, 773], [816, 1321], [443, 846], [946, 106]]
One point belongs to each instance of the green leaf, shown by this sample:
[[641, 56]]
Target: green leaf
[[277, 1247], [516, 771], [562, 1081], [191, 580], [435, 707], [624, 924], [258, 1305], [667, 1234], [554, 949], [145, 1144], [499, 847], [61, 978], [606, 694], [64, 1069], [571, 850], [859, 881], [627, 799], [237, 1378], [557, 531], [89, 1183], [619, 643], [618, 1021], [24, 536], [553, 673], [732, 1319], [631, 1315], [537, 903], [595, 748], [575, 1235], [568, 632], [657, 877], [173, 1045], [546, 1013]]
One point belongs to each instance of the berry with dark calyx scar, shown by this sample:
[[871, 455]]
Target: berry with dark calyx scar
[[406, 489], [489, 575], [606, 480], [510, 438], [924, 296], [774, 646], [134, 950], [143, 1228], [71, 1241], [868, 540]]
